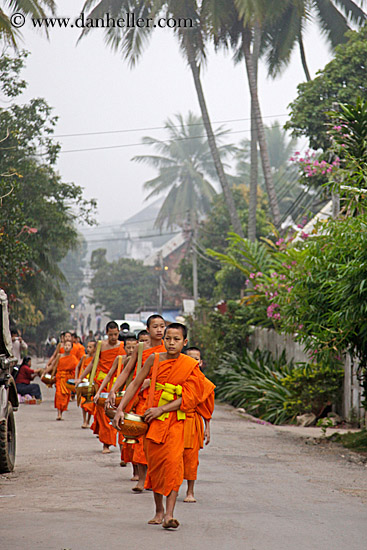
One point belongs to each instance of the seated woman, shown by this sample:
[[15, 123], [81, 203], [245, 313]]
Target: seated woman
[[24, 377]]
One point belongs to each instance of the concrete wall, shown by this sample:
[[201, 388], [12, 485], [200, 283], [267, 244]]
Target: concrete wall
[[270, 340]]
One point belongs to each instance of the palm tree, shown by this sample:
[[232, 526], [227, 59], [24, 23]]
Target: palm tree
[[283, 34], [35, 8], [131, 42], [185, 167], [241, 30]]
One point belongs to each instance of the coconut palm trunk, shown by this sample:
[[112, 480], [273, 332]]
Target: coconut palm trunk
[[251, 76], [251, 228], [191, 58], [303, 58]]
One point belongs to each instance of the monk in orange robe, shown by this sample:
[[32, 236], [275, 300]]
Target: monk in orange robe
[[78, 348], [155, 329], [194, 434], [176, 386], [88, 408], [65, 369], [110, 349], [130, 345]]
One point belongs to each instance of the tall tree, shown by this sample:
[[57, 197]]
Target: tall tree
[[239, 27], [185, 167], [286, 32], [131, 43]]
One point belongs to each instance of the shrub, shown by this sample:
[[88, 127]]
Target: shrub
[[254, 381], [312, 387]]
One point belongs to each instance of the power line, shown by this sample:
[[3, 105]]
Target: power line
[[127, 130], [125, 145]]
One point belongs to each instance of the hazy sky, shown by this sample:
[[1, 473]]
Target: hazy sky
[[93, 90]]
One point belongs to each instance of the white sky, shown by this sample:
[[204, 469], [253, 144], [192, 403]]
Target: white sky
[[92, 90]]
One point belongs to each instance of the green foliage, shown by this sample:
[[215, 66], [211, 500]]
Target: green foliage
[[355, 441], [37, 210], [216, 281], [342, 80], [312, 387], [122, 286], [217, 333], [254, 381]]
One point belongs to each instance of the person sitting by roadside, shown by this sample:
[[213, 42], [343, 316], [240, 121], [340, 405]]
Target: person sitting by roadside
[[24, 377]]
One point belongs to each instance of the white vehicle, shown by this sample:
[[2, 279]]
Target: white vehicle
[[135, 326]]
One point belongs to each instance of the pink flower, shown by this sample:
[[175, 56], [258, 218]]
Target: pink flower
[[252, 275], [304, 235], [297, 153], [300, 327], [294, 262], [259, 274], [276, 316]]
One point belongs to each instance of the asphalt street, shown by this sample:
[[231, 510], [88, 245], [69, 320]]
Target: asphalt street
[[259, 488]]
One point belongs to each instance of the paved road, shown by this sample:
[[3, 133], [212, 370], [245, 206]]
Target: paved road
[[259, 489]]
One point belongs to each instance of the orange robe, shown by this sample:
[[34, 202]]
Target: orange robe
[[194, 429], [139, 454], [164, 440], [78, 350], [101, 426], [90, 406], [65, 370]]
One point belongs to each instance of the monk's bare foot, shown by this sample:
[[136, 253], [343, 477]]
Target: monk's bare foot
[[190, 498], [123, 463], [106, 449], [157, 520], [139, 488], [59, 417], [135, 478], [85, 426], [170, 523]]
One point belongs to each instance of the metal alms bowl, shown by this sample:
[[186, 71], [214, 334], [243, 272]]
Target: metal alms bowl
[[48, 379], [133, 427]]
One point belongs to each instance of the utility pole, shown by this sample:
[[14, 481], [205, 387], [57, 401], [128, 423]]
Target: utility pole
[[194, 263], [160, 290]]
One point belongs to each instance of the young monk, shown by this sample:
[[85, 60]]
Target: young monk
[[144, 337], [194, 435], [78, 348], [110, 349], [155, 330], [125, 449], [176, 386], [65, 369], [130, 345], [87, 408]]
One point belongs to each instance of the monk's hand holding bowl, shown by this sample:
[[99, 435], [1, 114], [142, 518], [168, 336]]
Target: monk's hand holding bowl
[[77, 382], [153, 413], [119, 416]]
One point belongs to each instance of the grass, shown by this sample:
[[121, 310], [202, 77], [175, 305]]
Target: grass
[[356, 441]]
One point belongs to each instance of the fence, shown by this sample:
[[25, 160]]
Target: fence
[[268, 339]]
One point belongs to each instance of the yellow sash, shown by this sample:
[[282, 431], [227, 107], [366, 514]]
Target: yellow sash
[[168, 394], [101, 375]]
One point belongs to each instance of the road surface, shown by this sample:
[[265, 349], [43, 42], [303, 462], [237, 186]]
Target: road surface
[[259, 488]]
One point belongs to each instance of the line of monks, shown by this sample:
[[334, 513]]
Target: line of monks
[[163, 386]]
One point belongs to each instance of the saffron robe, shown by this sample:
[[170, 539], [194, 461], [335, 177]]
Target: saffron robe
[[101, 426], [139, 454], [164, 440], [78, 350], [194, 430], [65, 370]]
